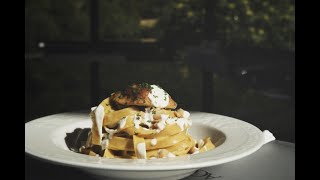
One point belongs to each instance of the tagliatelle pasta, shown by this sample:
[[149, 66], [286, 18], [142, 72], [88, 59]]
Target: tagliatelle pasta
[[149, 127]]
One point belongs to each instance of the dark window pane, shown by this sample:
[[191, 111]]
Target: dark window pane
[[151, 20], [119, 20], [51, 20], [266, 24]]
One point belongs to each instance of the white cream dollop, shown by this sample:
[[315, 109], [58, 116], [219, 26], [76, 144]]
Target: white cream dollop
[[142, 152], [99, 115], [158, 97], [186, 114], [93, 108], [182, 123], [170, 120], [148, 118], [136, 121], [196, 152], [110, 132], [105, 143], [123, 122], [153, 142], [170, 155], [161, 125], [200, 143], [164, 116]]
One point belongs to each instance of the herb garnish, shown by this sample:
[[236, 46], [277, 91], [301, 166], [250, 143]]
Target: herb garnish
[[145, 85], [120, 96], [153, 111]]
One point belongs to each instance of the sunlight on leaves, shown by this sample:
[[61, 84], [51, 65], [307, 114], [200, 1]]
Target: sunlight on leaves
[[190, 14], [249, 12], [179, 5], [231, 6], [261, 23]]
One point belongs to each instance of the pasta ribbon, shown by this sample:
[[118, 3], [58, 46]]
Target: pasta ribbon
[[138, 132], [122, 143]]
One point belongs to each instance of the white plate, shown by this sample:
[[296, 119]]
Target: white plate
[[235, 139]]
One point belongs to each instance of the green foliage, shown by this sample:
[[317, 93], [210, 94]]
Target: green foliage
[[182, 21], [255, 23], [258, 23], [261, 23], [119, 20], [56, 20]]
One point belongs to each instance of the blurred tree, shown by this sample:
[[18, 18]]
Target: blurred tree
[[182, 21], [257, 23], [119, 20], [51, 20]]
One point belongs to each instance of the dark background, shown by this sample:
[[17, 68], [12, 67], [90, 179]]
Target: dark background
[[230, 57]]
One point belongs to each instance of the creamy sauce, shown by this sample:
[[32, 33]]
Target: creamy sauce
[[153, 142], [161, 125], [158, 97], [148, 118], [170, 120], [141, 149], [181, 123], [186, 114], [105, 144], [171, 155], [136, 121], [163, 153], [200, 143], [110, 132], [123, 122], [164, 117], [93, 108], [196, 152], [99, 114]]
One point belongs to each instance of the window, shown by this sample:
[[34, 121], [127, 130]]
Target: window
[[59, 21]]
